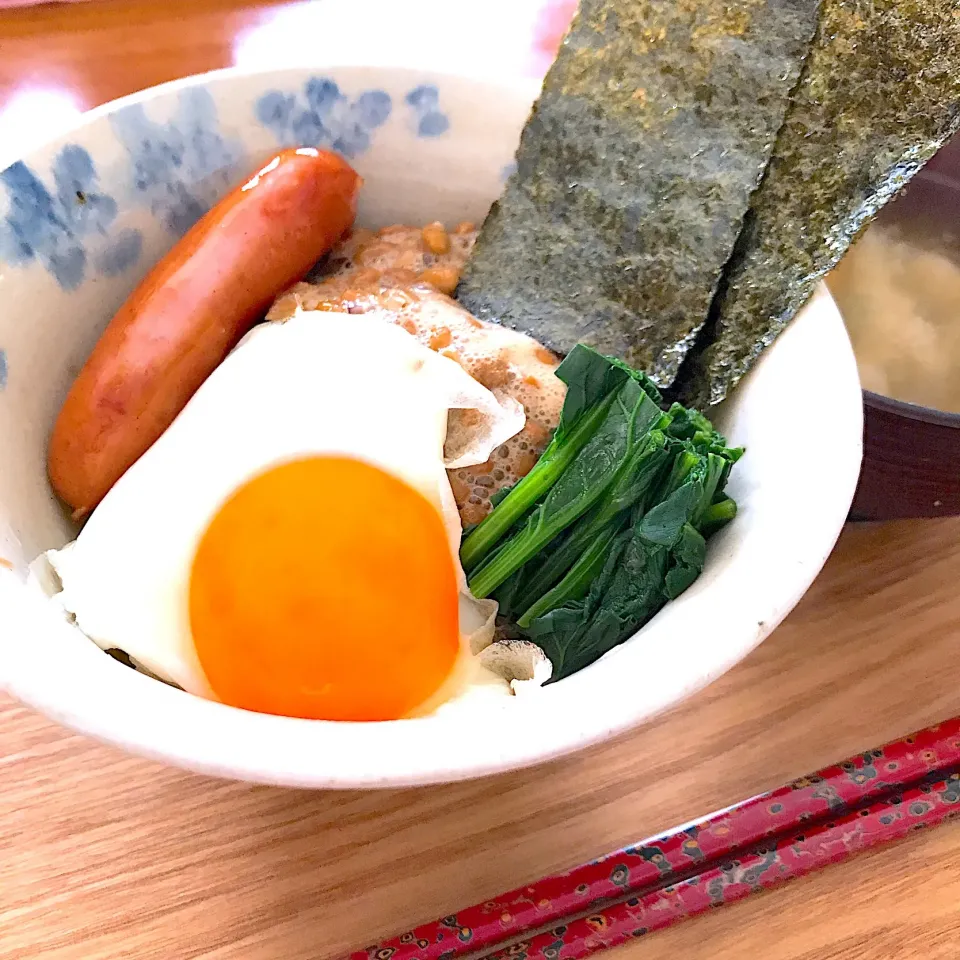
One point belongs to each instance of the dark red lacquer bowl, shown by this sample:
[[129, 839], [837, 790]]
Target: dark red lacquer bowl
[[911, 461], [911, 454]]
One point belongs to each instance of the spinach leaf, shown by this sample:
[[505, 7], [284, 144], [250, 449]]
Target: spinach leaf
[[586, 478], [589, 376], [561, 632], [635, 482], [664, 523], [648, 386], [611, 523], [581, 575], [628, 590], [653, 561], [593, 382], [686, 562]]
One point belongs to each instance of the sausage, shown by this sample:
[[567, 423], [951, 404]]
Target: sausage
[[190, 311]]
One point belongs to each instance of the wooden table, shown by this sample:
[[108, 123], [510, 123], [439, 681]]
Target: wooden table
[[103, 856]]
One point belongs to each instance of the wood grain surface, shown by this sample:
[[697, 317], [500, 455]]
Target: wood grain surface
[[105, 856], [104, 49]]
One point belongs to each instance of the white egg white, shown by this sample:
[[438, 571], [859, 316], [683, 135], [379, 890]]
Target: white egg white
[[351, 385]]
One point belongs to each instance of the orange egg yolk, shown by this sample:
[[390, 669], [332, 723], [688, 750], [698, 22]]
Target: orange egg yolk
[[325, 588]]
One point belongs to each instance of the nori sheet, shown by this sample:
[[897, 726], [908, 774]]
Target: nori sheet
[[634, 172], [879, 95]]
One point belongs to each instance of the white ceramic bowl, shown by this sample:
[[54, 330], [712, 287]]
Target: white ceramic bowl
[[81, 220]]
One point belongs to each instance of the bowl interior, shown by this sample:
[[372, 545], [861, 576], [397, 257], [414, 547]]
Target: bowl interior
[[82, 219], [122, 186]]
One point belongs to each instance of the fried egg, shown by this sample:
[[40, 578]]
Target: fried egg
[[290, 544], [389, 274]]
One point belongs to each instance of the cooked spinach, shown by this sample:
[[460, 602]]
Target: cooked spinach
[[592, 384], [636, 481], [717, 515], [628, 415], [656, 559], [615, 524]]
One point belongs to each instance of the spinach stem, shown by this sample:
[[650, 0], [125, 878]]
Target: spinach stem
[[547, 471], [717, 515], [576, 583], [632, 485]]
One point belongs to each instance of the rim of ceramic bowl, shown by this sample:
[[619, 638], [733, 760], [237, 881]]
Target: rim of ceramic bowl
[[157, 721], [529, 85], [911, 411]]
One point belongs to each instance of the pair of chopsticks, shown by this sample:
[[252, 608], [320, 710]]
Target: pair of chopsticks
[[876, 797]]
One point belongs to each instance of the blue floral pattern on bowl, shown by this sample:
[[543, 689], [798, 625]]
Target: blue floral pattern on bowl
[[323, 116], [177, 169], [66, 226], [81, 214], [180, 167], [429, 119]]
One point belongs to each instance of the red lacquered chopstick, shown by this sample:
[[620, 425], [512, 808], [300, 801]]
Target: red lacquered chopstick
[[831, 792], [792, 856]]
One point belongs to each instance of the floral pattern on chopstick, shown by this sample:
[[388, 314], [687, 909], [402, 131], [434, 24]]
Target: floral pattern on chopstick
[[793, 856], [830, 792]]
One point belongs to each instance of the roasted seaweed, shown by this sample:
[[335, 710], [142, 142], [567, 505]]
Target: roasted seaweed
[[878, 96], [634, 173]]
